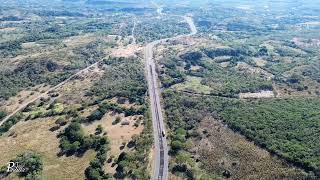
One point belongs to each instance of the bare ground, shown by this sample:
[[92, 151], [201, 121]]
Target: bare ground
[[125, 51], [261, 94]]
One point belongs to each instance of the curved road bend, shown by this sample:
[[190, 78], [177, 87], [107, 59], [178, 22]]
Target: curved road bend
[[161, 148]]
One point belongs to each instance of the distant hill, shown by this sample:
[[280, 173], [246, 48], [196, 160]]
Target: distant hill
[[106, 2], [71, 0]]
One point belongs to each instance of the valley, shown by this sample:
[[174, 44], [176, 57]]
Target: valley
[[96, 89]]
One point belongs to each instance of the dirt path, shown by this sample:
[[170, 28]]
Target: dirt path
[[24, 105]]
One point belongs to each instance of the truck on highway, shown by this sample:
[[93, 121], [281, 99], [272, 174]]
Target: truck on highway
[[163, 134]]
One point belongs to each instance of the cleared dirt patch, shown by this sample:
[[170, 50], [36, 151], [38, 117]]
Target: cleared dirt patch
[[261, 94], [125, 51]]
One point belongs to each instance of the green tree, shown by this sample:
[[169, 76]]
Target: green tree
[[99, 129], [33, 164], [2, 114]]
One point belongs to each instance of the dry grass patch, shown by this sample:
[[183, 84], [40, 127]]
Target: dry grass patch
[[9, 29], [117, 134], [192, 84], [248, 69], [35, 136], [222, 150], [80, 40], [195, 68], [125, 51], [30, 45], [224, 64], [124, 103], [15, 102], [73, 92]]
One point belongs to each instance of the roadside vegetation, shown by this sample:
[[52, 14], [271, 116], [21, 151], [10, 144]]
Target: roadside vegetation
[[3, 114], [124, 79], [241, 98]]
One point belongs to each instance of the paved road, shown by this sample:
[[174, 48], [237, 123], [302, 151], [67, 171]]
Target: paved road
[[24, 105], [161, 148]]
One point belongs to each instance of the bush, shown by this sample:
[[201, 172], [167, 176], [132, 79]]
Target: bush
[[192, 58], [73, 140], [99, 129], [116, 121], [3, 114], [10, 122], [61, 121], [33, 164]]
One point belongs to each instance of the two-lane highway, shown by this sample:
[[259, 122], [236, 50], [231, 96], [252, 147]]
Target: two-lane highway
[[160, 142], [161, 149]]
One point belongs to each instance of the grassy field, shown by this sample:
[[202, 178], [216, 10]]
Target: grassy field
[[36, 136]]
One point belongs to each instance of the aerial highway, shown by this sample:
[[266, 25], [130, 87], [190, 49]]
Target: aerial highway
[[161, 159]]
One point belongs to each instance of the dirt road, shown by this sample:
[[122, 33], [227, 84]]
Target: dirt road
[[24, 105]]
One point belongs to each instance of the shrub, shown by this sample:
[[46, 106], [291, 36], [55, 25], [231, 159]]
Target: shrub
[[32, 162], [61, 121], [3, 114], [116, 121], [99, 129]]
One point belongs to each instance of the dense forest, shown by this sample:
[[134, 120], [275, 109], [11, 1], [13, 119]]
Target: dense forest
[[271, 124]]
